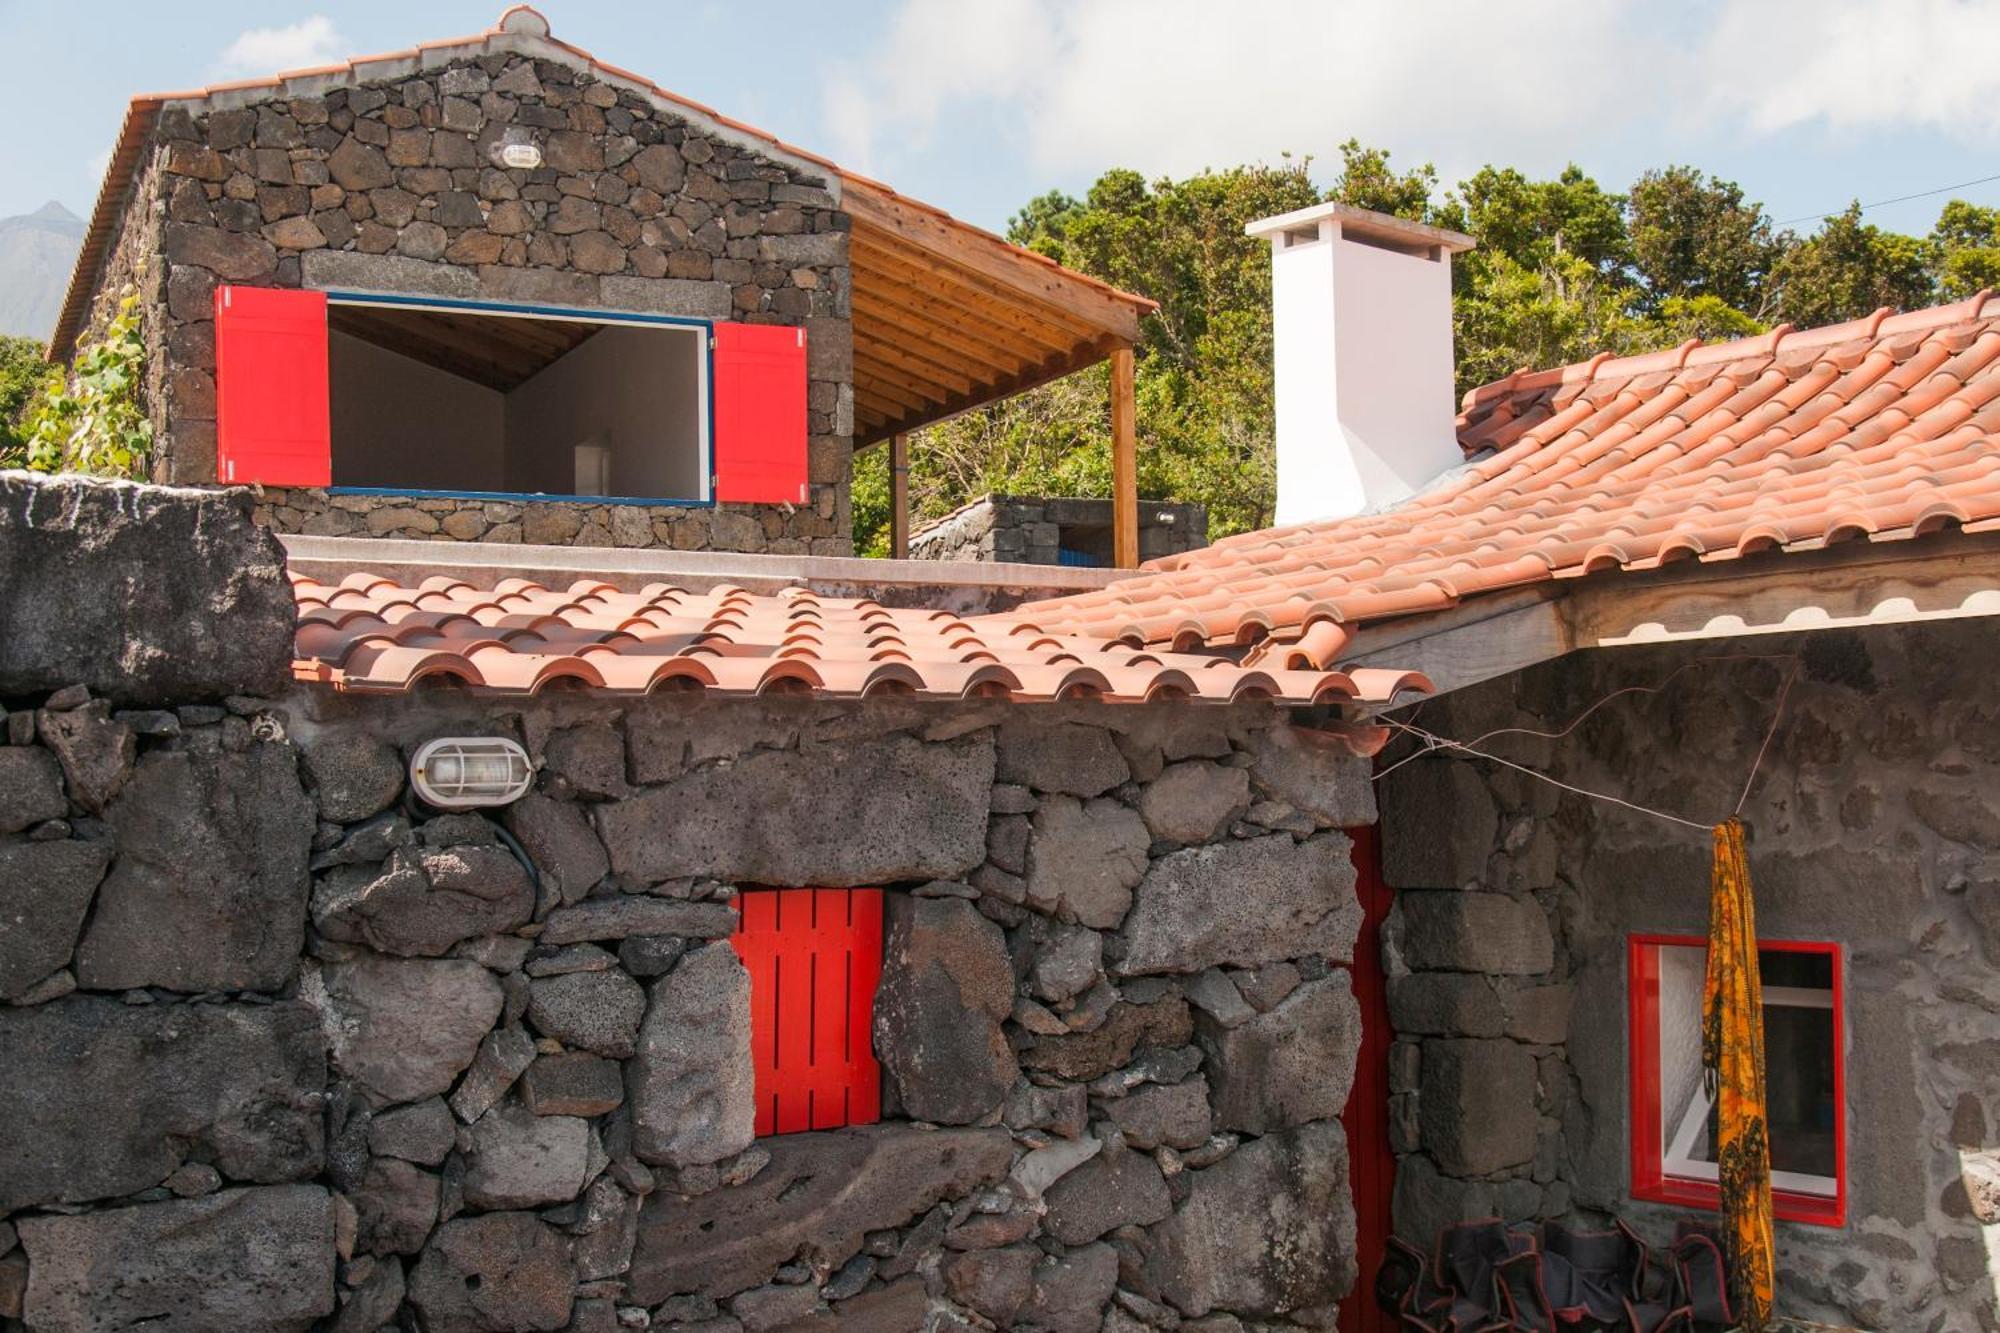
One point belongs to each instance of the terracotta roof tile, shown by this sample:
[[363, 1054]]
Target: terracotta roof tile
[[1877, 429], [370, 635]]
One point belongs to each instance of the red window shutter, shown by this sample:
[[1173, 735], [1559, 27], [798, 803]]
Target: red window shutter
[[815, 958], [760, 413], [271, 422]]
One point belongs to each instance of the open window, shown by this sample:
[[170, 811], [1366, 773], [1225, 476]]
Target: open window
[[1673, 1116], [413, 396], [488, 400]]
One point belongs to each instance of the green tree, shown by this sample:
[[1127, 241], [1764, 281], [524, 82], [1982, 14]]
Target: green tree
[[1550, 280], [1533, 223], [1368, 181], [21, 371], [1848, 269], [1694, 236], [1962, 253]]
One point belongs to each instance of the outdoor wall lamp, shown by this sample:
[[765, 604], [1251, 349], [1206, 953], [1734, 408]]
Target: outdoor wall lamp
[[516, 149], [470, 772]]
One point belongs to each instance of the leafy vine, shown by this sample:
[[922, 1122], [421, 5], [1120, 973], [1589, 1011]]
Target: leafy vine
[[90, 418]]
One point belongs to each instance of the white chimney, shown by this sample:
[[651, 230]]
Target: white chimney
[[1361, 313]]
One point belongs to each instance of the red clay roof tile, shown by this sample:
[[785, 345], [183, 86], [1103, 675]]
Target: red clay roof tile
[[367, 634], [1877, 429]]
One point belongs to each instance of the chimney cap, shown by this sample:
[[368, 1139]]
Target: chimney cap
[[1363, 224]]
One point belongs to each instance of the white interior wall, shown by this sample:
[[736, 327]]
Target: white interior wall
[[1683, 969], [639, 389], [399, 422]]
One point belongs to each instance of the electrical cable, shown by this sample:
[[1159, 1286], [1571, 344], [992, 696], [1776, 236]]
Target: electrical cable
[[1899, 199], [1431, 743]]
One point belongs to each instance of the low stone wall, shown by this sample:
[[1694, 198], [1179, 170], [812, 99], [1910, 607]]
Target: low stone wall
[[1874, 825], [1035, 530], [285, 1051], [754, 529]]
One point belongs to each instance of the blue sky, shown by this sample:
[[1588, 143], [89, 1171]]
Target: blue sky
[[977, 106]]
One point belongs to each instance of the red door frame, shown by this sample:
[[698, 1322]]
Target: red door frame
[[1371, 1165]]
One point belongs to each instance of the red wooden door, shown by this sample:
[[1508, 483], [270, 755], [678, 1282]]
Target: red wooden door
[[1371, 1165], [814, 958]]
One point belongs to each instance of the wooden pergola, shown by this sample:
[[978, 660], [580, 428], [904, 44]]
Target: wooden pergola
[[948, 318]]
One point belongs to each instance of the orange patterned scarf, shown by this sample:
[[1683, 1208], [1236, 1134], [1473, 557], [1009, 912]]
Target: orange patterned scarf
[[1732, 1056]]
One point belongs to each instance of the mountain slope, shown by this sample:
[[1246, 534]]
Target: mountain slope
[[37, 252]]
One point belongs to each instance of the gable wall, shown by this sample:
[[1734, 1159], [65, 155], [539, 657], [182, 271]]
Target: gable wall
[[391, 186]]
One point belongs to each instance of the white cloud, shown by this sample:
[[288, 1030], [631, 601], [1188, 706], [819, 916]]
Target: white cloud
[[1857, 65], [1171, 86], [1176, 85], [310, 41]]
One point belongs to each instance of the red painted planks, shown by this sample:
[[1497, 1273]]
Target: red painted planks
[[814, 958]]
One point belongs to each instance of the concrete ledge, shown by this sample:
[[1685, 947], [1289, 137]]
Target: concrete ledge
[[965, 586]]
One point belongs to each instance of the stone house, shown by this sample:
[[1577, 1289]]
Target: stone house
[[480, 937], [426, 293], [1047, 530]]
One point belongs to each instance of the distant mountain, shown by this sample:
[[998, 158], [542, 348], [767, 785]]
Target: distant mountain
[[37, 252]]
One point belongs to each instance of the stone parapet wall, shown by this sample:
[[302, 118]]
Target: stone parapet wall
[[1874, 825], [287, 1051], [1035, 530], [751, 529]]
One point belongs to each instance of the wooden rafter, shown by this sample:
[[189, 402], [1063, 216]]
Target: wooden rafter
[[904, 312], [893, 269], [1054, 369], [1019, 273]]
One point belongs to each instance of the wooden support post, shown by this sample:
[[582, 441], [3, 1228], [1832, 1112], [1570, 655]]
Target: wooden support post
[[899, 497], [1124, 461]]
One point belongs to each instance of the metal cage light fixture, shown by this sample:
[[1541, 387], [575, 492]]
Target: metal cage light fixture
[[470, 772]]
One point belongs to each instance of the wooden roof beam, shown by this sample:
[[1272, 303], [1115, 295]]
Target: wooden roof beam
[[909, 269], [902, 396], [1031, 378], [1102, 308], [932, 369], [973, 347]]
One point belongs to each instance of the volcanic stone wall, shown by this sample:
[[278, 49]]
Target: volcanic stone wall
[[285, 1050], [1875, 822], [1037, 530], [392, 185]]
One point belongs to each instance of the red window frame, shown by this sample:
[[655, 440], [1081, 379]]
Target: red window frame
[[815, 960], [1650, 1180]]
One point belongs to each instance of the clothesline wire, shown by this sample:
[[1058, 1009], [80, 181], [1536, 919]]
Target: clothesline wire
[[1433, 743], [1777, 711]]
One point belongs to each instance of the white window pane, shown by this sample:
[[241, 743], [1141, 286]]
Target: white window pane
[[1799, 1037]]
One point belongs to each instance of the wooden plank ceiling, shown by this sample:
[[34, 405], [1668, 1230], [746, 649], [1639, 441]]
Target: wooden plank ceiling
[[499, 352], [948, 318]]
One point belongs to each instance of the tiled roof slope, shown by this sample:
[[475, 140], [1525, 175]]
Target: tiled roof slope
[[1878, 429], [371, 635]]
